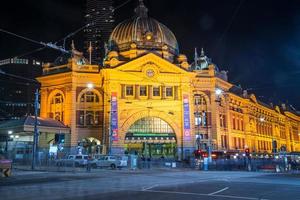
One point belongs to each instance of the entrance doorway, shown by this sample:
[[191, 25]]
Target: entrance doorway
[[151, 137], [167, 150]]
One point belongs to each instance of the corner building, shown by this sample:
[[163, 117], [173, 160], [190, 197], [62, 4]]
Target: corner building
[[147, 98]]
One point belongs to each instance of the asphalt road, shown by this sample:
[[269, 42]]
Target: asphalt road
[[157, 185]]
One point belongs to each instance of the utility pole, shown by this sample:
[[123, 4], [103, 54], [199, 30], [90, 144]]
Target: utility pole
[[109, 134], [36, 134]]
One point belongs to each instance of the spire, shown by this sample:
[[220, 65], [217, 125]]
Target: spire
[[72, 45], [196, 57], [202, 52], [141, 10]]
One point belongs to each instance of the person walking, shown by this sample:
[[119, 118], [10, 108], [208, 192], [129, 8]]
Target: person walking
[[143, 161], [89, 164], [149, 162]]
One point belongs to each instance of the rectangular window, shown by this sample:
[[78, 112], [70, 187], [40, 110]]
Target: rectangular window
[[80, 117], [97, 118], [129, 90], [89, 118], [143, 90], [198, 119], [221, 120], [169, 91], [233, 123], [156, 91], [242, 124]]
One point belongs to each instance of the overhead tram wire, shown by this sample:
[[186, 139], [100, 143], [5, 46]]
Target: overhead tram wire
[[33, 81], [227, 28], [91, 24], [62, 39], [49, 44]]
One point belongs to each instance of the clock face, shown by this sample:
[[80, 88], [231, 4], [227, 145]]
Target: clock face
[[150, 73]]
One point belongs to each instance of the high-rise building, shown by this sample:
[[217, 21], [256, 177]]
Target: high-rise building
[[99, 16], [17, 87]]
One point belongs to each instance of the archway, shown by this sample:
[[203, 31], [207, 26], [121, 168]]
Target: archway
[[152, 137], [91, 145]]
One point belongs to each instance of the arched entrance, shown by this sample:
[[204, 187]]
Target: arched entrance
[[91, 145], [152, 137]]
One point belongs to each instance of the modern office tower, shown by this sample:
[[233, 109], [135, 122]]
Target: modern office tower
[[100, 20]]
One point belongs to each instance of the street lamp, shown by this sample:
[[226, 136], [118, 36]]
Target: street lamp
[[90, 85], [262, 119], [218, 91], [6, 140]]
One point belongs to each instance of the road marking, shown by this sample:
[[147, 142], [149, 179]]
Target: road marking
[[200, 194], [148, 188], [216, 192]]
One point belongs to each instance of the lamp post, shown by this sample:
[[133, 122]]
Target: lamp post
[[6, 141], [109, 133], [36, 134]]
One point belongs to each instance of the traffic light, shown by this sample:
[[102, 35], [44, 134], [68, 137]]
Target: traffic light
[[197, 153], [247, 152]]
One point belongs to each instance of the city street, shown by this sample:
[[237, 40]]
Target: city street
[[150, 184]]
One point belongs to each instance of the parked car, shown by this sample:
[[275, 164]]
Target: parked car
[[110, 161], [73, 160]]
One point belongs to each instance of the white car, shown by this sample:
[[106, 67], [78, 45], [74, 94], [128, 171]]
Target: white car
[[73, 160], [111, 161]]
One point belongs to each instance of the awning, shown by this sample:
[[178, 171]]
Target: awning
[[157, 138], [25, 125]]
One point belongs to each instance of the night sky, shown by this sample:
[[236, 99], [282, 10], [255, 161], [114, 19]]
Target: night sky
[[257, 41]]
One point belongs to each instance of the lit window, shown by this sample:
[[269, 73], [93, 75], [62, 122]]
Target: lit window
[[89, 97], [169, 91], [198, 119], [156, 91], [143, 90], [129, 90]]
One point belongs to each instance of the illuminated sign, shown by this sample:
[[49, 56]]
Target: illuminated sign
[[114, 116], [186, 118]]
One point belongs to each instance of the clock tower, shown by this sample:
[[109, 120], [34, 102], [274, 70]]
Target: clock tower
[[70, 93]]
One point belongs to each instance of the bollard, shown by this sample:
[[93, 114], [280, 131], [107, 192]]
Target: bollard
[[277, 169], [205, 164]]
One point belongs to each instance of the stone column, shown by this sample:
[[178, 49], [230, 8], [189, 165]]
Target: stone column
[[150, 91], [137, 92]]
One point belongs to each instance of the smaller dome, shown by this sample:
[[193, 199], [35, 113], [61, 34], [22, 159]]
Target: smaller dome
[[145, 32]]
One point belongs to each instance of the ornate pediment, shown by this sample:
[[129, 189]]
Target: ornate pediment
[[148, 62]]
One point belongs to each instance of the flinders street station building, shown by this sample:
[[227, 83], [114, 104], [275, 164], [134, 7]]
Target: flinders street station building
[[147, 98]]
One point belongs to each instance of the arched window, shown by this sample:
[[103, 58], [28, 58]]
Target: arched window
[[89, 97], [57, 107], [56, 99], [201, 115], [200, 107], [199, 100], [151, 125]]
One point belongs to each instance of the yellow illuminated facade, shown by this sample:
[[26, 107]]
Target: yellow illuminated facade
[[147, 98]]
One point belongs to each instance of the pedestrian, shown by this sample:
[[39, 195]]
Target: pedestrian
[[143, 160], [149, 162], [89, 164]]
